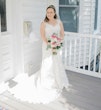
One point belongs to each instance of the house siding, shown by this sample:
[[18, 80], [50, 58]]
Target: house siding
[[86, 26], [25, 55], [86, 16], [33, 11], [6, 61], [6, 48]]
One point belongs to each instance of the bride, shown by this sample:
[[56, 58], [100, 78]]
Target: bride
[[47, 84]]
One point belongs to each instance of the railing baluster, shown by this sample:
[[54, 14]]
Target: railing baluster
[[90, 48], [100, 62], [70, 53], [74, 52], [95, 55], [84, 56], [79, 53], [65, 61]]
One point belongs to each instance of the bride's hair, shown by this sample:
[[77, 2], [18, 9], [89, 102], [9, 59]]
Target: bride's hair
[[55, 16]]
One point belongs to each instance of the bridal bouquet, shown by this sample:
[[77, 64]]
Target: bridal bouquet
[[54, 43]]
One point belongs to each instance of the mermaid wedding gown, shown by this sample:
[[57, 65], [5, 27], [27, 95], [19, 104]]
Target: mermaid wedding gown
[[47, 84]]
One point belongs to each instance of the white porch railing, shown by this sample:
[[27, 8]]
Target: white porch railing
[[82, 53]]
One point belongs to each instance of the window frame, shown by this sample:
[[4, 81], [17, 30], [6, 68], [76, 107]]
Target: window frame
[[9, 18], [5, 30], [97, 30], [72, 6]]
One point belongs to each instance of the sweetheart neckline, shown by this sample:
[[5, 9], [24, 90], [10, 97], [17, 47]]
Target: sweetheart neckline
[[53, 25]]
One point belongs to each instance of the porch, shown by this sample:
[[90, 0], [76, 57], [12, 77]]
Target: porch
[[83, 94], [81, 54]]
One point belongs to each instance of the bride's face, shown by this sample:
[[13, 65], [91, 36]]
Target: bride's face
[[50, 13]]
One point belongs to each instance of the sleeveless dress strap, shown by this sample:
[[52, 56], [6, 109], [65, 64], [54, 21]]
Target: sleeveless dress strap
[[59, 21]]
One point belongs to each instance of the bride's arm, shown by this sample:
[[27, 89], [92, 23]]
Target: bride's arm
[[61, 30], [42, 32]]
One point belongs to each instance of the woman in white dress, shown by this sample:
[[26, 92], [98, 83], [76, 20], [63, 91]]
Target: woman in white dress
[[49, 82]]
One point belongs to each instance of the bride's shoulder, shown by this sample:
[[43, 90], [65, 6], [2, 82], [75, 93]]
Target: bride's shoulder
[[43, 23], [59, 21]]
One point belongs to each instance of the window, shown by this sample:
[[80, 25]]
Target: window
[[3, 15], [69, 14], [96, 15]]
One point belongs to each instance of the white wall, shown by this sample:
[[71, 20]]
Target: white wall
[[6, 61], [6, 47], [33, 11], [86, 16]]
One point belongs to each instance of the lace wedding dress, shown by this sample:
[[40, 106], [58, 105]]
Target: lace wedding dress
[[47, 84]]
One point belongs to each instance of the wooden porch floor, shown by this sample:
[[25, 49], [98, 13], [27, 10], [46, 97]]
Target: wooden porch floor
[[84, 94]]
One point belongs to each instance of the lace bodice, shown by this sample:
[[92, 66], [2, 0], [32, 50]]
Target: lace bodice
[[50, 29]]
